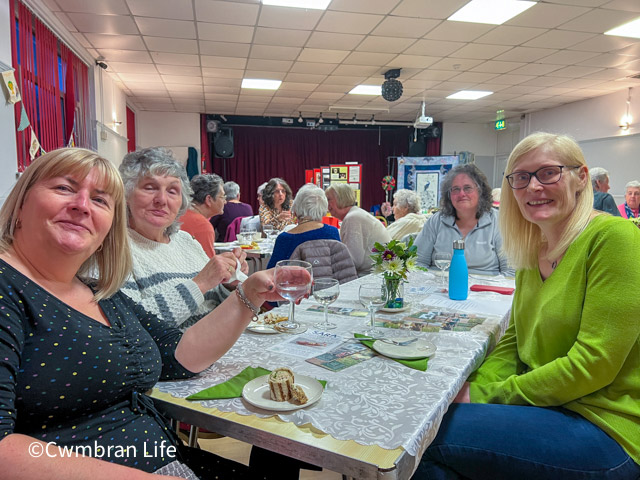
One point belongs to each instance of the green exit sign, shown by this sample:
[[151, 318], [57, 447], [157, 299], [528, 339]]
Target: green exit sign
[[501, 124]]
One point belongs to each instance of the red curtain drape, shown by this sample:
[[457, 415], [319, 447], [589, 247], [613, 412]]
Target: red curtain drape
[[261, 153], [131, 130], [43, 64]]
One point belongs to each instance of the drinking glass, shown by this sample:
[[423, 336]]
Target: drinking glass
[[372, 297], [268, 231], [293, 281], [442, 261], [326, 291]]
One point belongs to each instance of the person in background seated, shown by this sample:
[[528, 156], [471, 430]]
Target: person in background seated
[[495, 197], [260, 190], [309, 206], [276, 207], [406, 210], [465, 213], [359, 230], [233, 209], [559, 396], [172, 276], [629, 209], [207, 199], [602, 200], [77, 354]]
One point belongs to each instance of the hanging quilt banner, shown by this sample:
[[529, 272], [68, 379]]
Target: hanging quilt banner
[[425, 175]]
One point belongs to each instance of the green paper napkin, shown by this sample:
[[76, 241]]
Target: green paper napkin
[[232, 388], [418, 364]]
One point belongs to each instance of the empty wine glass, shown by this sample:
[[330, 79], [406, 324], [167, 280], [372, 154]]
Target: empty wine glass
[[442, 261], [372, 297], [326, 291], [293, 281]]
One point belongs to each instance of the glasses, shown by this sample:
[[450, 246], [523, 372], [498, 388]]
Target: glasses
[[545, 175], [467, 189]]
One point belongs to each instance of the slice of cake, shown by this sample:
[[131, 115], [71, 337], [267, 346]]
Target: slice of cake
[[281, 384], [299, 395]]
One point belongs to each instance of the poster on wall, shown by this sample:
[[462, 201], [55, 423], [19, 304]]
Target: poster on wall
[[354, 174], [425, 175], [339, 173]]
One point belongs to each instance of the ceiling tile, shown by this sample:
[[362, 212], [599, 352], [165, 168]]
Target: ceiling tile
[[433, 48], [284, 17], [342, 22], [364, 6], [107, 24], [547, 15], [567, 57], [224, 82], [605, 43], [181, 87], [222, 73], [458, 31], [322, 56], [480, 51], [343, 79], [172, 45], [366, 58], [524, 54], [334, 41], [140, 77], [280, 36], [405, 27], [574, 71], [474, 77], [179, 70], [117, 42], [304, 78], [356, 70], [226, 12], [543, 81], [129, 56], [169, 28], [271, 52], [224, 49], [111, 7], [558, 39], [220, 33], [122, 67], [535, 69], [184, 79], [66, 21], [598, 20], [270, 65], [175, 58], [311, 67], [511, 79], [507, 35], [428, 8], [384, 44], [173, 9], [607, 60], [223, 62], [629, 5], [264, 74], [458, 64], [297, 87]]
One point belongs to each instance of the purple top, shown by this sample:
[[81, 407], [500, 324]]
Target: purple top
[[232, 211]]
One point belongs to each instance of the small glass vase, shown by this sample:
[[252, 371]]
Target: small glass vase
[[393, 292]]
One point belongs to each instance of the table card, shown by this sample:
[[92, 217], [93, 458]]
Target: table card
[[349, 312], [434, 320], [343, 356], [308, 344]]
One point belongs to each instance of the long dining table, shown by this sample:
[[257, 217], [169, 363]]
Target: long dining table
[[375, 418]]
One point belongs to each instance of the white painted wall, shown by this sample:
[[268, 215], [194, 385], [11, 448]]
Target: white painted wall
[[8, 162], [110, 109], [476, 138], [176, 131]]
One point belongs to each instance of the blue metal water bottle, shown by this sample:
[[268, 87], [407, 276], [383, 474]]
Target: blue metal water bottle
[[458, 273]]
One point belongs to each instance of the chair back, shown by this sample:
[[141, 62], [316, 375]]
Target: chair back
[[233, 229], [251, 223], [382, 219], [328, 258]]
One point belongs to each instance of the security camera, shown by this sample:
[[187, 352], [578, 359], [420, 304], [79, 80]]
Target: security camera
[[102, 65]]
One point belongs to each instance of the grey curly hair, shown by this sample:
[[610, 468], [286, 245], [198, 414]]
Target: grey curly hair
[[149, 162], [203, 185], [485, 200], [310, 202], [408, 199], [231, 190]]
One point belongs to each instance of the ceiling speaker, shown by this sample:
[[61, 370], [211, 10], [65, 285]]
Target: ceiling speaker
[[392, 88]]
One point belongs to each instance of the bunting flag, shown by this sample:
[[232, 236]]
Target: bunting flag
[[12, 86], [72, 142], [24, 120], [34, 147]]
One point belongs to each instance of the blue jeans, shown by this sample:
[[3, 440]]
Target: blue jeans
[[495, 442]]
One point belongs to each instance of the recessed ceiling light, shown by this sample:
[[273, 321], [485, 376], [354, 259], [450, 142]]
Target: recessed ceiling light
[[313, 4], [631, 29], [261, 83], [366, 90], [468, 95], [495, 12]]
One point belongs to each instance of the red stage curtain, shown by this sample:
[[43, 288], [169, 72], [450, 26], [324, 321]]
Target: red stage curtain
[[262, 153]]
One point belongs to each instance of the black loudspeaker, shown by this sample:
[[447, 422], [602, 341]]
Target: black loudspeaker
[[223, 143], [433, 132], [417, 148]]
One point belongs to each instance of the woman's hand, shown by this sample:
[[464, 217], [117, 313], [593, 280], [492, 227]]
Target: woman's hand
[[284, 215], [242, 256], [463, 394], [218, 269], [261, 286]]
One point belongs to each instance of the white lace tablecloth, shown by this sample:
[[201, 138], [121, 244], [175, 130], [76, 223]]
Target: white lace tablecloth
[[376, 402]]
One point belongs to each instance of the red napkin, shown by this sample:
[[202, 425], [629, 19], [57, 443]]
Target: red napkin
[[492, 288]]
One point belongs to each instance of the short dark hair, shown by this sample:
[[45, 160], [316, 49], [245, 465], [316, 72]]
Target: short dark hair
[[485, 200], [269, 190], [203, 185]]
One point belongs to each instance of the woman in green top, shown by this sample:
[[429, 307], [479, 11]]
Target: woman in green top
[[559, 397]]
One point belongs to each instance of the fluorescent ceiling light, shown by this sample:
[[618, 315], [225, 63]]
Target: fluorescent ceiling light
[[366, 90], [495, 12], [468, 95], [260, 83], [313, 4], [631, 29]]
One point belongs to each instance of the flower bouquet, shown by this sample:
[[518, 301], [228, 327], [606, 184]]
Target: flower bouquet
[[394, 261], [636, 221]]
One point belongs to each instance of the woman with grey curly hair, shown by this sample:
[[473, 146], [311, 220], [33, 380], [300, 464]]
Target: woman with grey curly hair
[[207, 200], [465, 213], [172, 275], [406, 211]]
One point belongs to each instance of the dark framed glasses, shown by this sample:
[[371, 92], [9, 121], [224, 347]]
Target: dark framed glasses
[[545, 175]]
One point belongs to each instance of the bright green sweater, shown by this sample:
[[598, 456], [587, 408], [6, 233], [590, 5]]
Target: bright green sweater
[[574, 339]]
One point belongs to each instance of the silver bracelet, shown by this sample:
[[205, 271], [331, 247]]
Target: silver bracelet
[[247, 303]]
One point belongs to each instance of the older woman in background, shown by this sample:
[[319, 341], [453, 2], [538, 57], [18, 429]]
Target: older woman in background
[[559, 396], [359, 230], [465, 213], [631, 206], [233, 209], [172, 275], [77, 354], [207, 199], [276, 207], [406, 211], [309, 206]]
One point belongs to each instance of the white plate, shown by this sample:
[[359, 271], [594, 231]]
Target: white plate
[[406, 307], [256, 392], [261, 328], [419, 349]]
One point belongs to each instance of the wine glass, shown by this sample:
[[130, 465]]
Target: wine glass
[[293, 281], [372, 297], [326, 291], [442, 261]]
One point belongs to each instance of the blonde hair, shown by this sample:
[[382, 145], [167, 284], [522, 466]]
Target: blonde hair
[[112, 262], [523, 239], [345, 196]]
